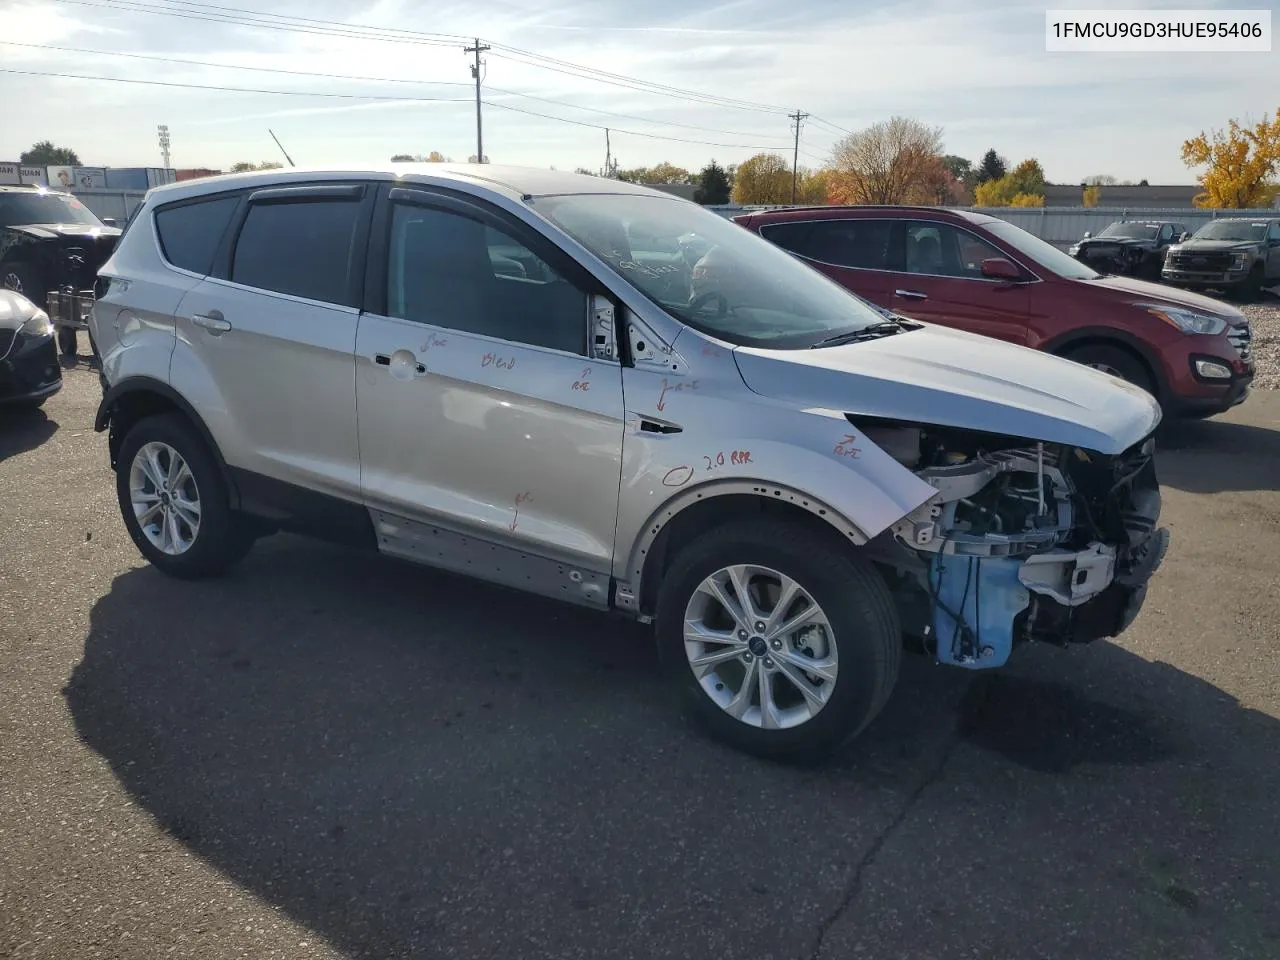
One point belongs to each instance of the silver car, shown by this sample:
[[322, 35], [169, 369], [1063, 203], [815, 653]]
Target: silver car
[[601, 393]]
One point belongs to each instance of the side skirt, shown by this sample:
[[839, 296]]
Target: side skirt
[[446, 549]]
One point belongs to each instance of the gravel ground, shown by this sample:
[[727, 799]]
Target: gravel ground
[[1266, 342]]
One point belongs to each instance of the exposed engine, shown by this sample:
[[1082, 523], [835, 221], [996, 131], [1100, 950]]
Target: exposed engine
[[1023, 541]]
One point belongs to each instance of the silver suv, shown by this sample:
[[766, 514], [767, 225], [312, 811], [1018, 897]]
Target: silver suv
[[593, 391]]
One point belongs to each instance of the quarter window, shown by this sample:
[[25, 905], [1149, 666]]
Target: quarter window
[[305, 248], [190, 233], [941, 250], [451, 271]]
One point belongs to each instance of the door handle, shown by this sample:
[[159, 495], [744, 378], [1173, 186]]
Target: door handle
[[911, 294], [404, 367], [211, 321]]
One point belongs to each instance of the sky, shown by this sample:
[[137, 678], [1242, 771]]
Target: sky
[[978, 71]]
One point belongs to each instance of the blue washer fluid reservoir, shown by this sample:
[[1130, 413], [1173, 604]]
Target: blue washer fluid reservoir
[[986, 594]]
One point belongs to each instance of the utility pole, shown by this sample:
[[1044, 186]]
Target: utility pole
[[798, 117], [478, 49], [608, 155]]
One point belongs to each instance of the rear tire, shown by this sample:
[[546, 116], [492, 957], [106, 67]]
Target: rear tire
[[1115, 361], [854, 638], [174, 500]]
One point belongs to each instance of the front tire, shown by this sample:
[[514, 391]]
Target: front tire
[[25, 279], [174, 500], [1115, 361], [783, 643]]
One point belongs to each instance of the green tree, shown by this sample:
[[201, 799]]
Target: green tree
[[764, 178], [714, 185], [1022, 187], [960, 169], [993, 167], [45, 154]]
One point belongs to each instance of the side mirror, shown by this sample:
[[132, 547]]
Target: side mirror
[[110, 222], [1088, 234], [1184, 237], [998, 268]]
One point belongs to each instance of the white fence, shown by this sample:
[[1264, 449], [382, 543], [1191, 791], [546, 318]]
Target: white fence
[[1063, 226]]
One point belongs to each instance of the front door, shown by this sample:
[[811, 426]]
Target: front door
[[490, 439], [941, 282]]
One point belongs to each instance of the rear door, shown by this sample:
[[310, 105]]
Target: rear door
[[941, 282], [1273, 252], [266, 342], [855, 252]]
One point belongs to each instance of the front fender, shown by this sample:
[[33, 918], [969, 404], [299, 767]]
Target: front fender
[[813, 459]]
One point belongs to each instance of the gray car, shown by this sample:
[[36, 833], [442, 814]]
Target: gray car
[[600, 393]]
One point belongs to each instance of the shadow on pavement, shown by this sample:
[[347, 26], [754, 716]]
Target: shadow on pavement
[[1210, 456], [23, 429], [416, 765]]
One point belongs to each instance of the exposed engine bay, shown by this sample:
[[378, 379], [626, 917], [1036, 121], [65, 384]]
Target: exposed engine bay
[[1023, 541]]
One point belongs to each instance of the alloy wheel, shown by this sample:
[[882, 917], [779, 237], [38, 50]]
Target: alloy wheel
[[760, 646], [165, 498]]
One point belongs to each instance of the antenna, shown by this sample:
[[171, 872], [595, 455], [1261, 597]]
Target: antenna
[[281, 146]]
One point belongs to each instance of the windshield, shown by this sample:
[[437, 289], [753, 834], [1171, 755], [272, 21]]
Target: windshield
[[709, 272], [1232, 230], [21, 209], [1132, 231], [1042, 253]]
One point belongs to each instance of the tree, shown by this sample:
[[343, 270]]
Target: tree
[[1242, 164], [713, 185], [435, 156], [1099, 180], [1092, 194], [894, 161], [813, 187], [764, 178], [1022, 187], [1143, 182], [959, 168], [993, 167], [1027, 200], [245, 166], [45, 154]]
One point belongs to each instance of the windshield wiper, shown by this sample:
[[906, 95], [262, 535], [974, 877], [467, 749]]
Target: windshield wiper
[[875, 331]]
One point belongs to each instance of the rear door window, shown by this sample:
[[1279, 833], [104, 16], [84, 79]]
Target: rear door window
[[304, 248], [861, 244], [190, 232]]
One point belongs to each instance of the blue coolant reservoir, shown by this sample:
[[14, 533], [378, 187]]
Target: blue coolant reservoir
[[985, 594]]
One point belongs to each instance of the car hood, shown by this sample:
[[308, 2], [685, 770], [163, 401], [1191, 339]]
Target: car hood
[[945, 377], [1216, 246], [48, 231], [1146, 292], [1118, 241], [15, 310]]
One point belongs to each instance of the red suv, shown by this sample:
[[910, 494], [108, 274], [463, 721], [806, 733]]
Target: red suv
[[985, 275]]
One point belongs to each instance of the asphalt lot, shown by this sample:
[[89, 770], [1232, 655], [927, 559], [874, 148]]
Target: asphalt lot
[[334, 755]]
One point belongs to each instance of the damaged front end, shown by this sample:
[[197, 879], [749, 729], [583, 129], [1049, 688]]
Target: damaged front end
[[1023, 541]]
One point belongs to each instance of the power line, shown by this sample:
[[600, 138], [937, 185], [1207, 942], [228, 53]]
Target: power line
[[631, 133], [401, 80], [221, 89], [834, 126], [239, 17], [377, 98]]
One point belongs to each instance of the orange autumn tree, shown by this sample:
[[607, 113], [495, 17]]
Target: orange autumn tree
[[894, 161], [1242, 164]]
